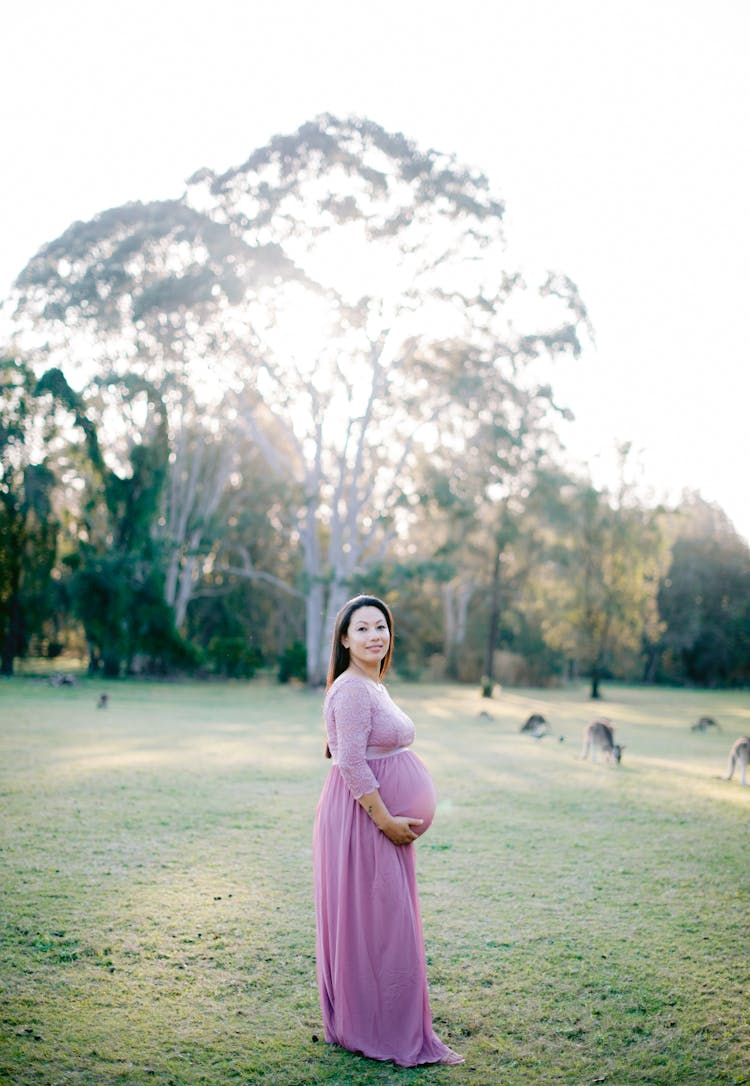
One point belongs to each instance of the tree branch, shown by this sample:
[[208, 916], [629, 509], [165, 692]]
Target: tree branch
[[261, 575]]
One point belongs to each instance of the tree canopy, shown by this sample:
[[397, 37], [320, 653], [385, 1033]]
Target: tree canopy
[[308, 374], [342, 296]]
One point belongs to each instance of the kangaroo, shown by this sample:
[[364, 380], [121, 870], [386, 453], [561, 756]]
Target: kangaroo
[[705, 723], [536, 726], [740, 753], [599, 735]]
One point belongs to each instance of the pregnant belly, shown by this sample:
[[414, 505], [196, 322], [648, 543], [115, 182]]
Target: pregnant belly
[[406, 788]]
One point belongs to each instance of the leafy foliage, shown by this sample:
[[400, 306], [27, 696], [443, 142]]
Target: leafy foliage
[[233, 657], [28, 525], [609, 552], [117, 583], [293, 663], [704, 599]]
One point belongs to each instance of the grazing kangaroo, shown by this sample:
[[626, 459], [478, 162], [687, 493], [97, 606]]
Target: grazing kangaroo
[[599, 735], [705, 723], [536, 725], [740, 753]]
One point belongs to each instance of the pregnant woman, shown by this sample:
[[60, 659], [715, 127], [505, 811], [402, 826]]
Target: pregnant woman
[[377, 799]]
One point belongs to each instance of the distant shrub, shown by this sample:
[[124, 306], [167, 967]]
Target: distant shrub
[[233, 657], [517, 669], [408, 667], [293, 663]]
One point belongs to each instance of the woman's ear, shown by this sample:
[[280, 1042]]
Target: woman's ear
[[345, 641]]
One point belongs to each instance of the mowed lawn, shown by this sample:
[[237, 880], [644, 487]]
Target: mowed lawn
[[584, 924]]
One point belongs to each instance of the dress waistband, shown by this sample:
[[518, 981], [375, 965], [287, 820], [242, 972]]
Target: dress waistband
[[373, 753]]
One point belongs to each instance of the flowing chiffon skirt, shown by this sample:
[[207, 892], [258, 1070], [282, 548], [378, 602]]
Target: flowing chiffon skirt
[[370, 950]]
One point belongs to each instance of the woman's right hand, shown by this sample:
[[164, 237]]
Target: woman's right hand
[[399, 829]]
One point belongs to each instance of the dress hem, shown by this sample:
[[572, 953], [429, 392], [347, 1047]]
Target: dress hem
[[448, 1059]]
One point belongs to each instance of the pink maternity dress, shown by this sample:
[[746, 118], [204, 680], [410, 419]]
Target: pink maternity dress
[[370, 951]]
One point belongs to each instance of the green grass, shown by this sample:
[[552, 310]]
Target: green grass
[[584, 924]]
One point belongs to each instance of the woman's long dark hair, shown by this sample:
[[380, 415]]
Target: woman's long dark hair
[[339, 661]]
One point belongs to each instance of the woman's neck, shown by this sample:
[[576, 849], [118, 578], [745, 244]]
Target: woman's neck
[[373, 674]]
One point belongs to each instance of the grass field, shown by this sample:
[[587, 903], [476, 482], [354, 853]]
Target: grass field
[[584, 924]]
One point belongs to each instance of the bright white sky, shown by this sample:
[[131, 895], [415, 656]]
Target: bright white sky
[[616, 132]]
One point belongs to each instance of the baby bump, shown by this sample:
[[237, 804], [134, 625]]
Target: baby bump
[[406, 787]]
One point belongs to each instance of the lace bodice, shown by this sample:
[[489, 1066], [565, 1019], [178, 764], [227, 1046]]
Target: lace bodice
[[363, 722]]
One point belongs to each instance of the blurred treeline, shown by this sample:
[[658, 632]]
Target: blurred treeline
[[313, 375]]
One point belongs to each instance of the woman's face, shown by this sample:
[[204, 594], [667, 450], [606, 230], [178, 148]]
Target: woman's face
[[367, 638]]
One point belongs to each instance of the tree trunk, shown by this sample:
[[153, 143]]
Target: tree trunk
[[489, 663], [653, 659], [456, 599], [186, 582], [93, 666], [7, 656], [314, 624], [12, 642], [449, 623], [337, 596], [464, 598], [170, 578], [595, 680]]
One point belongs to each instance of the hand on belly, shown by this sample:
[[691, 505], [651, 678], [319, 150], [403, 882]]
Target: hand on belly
[[407, 790]]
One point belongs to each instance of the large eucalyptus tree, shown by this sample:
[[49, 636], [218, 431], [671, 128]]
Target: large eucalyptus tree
[[342, 296]]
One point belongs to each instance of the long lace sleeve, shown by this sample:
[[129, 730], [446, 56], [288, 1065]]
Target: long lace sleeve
[[350, 710]]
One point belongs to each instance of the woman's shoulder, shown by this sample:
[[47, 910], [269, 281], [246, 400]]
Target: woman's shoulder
[[348, 684]]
